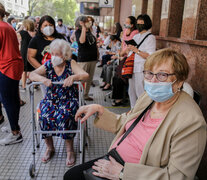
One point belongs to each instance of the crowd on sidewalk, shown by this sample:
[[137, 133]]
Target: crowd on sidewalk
[[156, 139]]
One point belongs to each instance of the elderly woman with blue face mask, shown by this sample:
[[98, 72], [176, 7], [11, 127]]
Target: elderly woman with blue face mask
[[58, 108], [163, 137]]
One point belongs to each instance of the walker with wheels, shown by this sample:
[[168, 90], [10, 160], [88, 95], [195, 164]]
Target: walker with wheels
[[36, 132]]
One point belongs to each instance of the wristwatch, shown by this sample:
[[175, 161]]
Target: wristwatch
[[121, 175]]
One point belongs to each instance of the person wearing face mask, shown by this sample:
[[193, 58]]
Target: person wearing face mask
[[38, 49], [59, 115], [62, 29], [120, 84], [147, 47], [163, 137], [87, 50], [93, 28], [11, 69], [130, 30], [12, 21]]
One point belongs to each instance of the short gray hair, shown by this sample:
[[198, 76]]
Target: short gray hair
[[62, 46]]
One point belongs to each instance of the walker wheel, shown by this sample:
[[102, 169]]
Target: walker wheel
[[32, 170]]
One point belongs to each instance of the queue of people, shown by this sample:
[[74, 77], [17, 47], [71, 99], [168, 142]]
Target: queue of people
[[156, 139]]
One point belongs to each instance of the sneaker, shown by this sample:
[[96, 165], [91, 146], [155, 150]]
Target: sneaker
[[11, 139]]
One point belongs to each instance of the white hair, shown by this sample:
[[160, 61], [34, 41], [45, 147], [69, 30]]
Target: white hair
[[62, 46]]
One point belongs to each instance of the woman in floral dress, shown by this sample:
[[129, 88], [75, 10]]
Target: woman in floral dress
[[59, 106]]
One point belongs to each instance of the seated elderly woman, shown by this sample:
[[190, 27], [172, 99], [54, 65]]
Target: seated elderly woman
[[59, 106], [168, 141]]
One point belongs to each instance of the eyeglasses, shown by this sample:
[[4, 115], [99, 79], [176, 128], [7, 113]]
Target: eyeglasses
[[161, 76]]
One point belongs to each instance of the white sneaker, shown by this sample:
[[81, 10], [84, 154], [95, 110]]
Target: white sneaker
[[11, 139]]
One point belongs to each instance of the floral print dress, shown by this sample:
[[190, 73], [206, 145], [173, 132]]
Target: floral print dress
[[58, 108]]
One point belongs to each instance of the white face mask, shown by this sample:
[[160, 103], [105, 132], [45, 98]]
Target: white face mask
[[56, 60], [48, 30]]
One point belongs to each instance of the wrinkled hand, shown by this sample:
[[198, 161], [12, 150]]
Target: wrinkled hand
[[84, 112], [68, 81], [132, 48], [47, 82], [107, 169]]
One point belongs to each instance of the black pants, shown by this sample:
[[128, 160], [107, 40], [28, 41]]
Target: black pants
[[119, 88], [106, 58], [76, 173], [9, 97]]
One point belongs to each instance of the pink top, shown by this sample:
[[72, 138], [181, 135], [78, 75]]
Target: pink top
[[127, 38], [132, 146]]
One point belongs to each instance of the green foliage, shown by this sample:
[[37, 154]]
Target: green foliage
[[64, 9]]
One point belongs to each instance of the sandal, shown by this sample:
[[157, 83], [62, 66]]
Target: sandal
[[68, 162], [48, 155]]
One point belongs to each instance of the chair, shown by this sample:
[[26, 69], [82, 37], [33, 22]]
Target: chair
[[197, 97]]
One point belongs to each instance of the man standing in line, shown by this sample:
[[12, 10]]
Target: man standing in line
[[62, 29]]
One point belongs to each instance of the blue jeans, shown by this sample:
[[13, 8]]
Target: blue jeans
[[9, 97]]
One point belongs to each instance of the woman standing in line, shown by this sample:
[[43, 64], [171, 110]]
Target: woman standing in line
[[136, 83]]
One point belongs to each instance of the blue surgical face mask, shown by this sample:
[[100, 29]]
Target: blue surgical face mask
[[14, 25], [159, 92]]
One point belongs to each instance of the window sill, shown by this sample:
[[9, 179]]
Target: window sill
[[183, 41]]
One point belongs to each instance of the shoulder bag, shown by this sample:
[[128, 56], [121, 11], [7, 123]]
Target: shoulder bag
[[128, 66]]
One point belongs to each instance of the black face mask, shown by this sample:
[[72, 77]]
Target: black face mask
[[140, 27]]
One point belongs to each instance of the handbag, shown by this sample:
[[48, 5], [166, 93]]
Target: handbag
[[128, 66], [88, 174], [113, 153]]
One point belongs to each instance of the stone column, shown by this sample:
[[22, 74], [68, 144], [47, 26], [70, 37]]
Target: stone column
[[156, 16], [144, 6], [189, 19], [164, 18], [201, 32], [117, 5], [175, 18]]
